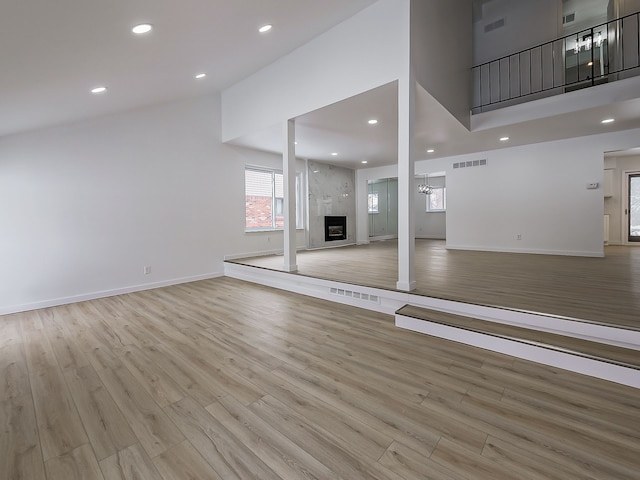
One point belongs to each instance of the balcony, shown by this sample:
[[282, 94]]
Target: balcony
[[601, 54]]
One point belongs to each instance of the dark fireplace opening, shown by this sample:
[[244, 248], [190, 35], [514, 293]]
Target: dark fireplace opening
[[335, 228]]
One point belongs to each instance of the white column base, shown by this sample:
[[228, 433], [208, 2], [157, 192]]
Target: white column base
[[406, 286]]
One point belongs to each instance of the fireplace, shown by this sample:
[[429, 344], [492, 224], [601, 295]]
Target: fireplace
[[335, 228]]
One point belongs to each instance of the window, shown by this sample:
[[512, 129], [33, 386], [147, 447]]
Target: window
[[264, 199], [437, 200], [373, 203]]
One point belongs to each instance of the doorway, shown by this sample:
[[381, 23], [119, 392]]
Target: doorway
[[632, 209]]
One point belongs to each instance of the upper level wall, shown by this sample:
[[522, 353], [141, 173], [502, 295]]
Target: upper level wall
[[441, 52], [368, 50], [526, 24]]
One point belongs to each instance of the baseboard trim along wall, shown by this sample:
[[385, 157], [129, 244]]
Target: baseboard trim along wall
[[105, 293], [566, 253]]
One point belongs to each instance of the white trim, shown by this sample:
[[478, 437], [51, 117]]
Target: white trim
[[391, 300], [54, 302], [568, 253], [260, 253], [545, 356], [624, 204]]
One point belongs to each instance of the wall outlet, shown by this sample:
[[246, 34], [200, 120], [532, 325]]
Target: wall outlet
[[147, 270], [519, 236]]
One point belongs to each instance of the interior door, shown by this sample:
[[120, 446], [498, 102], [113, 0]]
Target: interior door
[[633, 208]]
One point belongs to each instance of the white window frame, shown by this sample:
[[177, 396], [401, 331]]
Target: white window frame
[[298, 199]]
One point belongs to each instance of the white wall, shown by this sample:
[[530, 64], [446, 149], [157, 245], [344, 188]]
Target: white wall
[[538, 191], [429, 224], [441, 52], [366, 51], [527, 24], [85, 207]]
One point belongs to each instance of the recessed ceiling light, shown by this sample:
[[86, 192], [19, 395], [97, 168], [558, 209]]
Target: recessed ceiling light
[[334, 154], [142, 28], [295, 143], [373, 121], [99, 90], [608, 120], [201, 75], [431, 150], [364, 161], [504, 139], [265, 28]]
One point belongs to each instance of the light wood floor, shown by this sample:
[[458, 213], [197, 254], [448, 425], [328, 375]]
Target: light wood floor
[[222, 379], [604, 290]]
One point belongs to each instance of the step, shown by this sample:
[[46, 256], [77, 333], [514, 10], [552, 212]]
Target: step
[[601, 360]]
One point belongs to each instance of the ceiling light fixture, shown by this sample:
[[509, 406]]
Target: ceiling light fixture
[[265, 28], [504, 139], [373, 121], [142, 28], [201, 75], [365, 162], [334, 154], [425, 188], [608, 120], [98, 90], [431, 150]]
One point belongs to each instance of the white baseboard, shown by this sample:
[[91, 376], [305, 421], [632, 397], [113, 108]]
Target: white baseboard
[[260, 253], [431, 237], [54, 302], [566, 253]]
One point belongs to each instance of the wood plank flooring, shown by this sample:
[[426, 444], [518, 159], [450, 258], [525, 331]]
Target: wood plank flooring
[[604, 290], [223, 379]]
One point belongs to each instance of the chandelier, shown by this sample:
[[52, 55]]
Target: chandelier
[[588, 41], [425, 188]]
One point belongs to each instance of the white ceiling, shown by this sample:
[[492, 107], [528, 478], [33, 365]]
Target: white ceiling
[[53, 52], [343, 127]]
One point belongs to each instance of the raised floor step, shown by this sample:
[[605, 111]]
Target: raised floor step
[[576, 346], [613, 363]]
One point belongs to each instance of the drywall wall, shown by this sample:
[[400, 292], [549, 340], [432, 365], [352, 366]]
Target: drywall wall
[[85, 207], [526, 24], [536, 191], [366, 51], [614, 206], [429, 224], [441, 52]]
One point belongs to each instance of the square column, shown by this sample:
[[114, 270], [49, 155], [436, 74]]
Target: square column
[[406, 174], [289, 174]]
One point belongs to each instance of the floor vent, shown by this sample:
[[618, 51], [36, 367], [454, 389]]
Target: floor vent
[[471, 163], [357, 295]]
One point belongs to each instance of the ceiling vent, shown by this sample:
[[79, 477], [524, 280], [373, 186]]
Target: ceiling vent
[[489, 27], [568, 18]]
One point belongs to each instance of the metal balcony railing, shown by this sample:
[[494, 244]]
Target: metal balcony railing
[[601, 54]]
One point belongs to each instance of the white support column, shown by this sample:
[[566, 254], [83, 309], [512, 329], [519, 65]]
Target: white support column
[[289, 173], [406, 174]]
